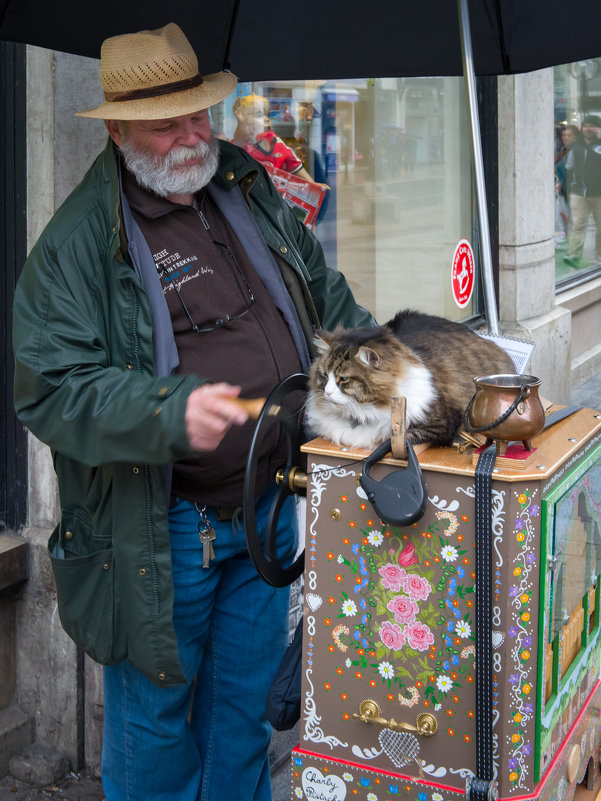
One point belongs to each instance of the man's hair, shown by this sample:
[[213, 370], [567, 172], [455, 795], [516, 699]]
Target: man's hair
[[592, 119]]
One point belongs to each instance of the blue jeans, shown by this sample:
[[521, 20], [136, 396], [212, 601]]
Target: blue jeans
[[205, 740]]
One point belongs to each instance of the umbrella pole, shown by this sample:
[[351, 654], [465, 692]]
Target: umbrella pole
[[478, 164]]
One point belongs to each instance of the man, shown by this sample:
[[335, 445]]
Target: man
[[172, 280], [583, 169]]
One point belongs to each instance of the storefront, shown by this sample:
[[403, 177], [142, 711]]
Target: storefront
[[394, 154]]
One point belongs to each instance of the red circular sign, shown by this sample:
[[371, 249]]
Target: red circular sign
[[462, 274]]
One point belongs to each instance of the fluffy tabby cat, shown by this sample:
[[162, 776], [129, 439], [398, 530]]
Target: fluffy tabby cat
[[429, 360]]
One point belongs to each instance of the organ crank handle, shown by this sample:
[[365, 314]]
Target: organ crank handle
[[369, 712], [273, 417], [252, 406], [292, 476]]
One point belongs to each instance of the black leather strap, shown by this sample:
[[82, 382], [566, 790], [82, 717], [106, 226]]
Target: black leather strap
[[480, 784], [555, 417]]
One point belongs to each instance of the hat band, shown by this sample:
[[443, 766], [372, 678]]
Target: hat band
[[154, 91]]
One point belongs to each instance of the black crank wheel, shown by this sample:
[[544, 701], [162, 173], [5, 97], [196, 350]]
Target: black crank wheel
[[264, 556]]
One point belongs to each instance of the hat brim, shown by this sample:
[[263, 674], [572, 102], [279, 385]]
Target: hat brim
[[213, 89]]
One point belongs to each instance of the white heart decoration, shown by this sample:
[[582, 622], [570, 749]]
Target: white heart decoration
[[400, 747], [497, 639], [323, 788], [314, 601]]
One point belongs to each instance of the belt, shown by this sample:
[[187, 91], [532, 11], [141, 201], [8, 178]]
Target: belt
[[226, 513], [222, 513]]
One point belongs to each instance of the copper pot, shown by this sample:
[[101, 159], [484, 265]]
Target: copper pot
[[506, 408]]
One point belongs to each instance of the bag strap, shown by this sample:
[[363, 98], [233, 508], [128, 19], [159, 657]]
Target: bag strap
[[481, 786]]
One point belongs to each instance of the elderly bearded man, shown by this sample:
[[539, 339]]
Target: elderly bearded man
[[172, 279]]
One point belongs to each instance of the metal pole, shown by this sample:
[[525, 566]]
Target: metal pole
[[488, 283]]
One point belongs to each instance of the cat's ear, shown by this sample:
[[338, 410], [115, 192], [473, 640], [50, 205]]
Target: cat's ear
[[321, 343], [369, 356]]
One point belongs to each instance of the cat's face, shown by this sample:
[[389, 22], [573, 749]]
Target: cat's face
[[353, 369]]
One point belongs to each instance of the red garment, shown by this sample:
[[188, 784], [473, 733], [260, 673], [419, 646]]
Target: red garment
[[275, 151]]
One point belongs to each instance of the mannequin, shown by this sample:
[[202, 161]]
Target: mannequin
[[254, 135]]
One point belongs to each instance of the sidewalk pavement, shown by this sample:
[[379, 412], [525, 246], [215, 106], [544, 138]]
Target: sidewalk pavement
[[589, 393], [80, 787]]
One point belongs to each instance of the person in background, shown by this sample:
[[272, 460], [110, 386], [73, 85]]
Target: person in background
[[583, 170], [568, 135], [173, 280]]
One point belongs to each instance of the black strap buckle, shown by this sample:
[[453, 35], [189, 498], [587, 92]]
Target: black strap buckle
[[481, 789]]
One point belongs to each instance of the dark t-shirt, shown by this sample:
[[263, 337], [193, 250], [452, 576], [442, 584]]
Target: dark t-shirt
[[255, 350]]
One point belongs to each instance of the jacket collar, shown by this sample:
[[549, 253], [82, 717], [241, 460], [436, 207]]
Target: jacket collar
[[235, 168]]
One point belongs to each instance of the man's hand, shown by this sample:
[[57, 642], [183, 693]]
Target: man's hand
[[209, 415]]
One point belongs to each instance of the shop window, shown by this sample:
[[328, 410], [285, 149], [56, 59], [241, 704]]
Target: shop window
[[394, 155], [577, 170]]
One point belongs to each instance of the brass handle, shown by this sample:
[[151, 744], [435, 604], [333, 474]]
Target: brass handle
[[369, 712], [297, 479], [252, 406]]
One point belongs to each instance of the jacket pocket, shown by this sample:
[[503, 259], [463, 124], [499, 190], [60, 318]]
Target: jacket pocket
[[88, 596]]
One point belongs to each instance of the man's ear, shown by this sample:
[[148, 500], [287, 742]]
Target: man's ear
[[115, 131]]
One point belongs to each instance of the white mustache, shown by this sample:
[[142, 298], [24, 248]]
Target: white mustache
[[182, 154], [161, 175]]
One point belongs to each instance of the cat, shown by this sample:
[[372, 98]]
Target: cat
[[428, 359]]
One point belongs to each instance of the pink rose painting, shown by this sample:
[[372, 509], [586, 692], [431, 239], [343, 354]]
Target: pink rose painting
[[392, 635], [404, 608], [407, 556], [419, 636], [393, 576], [417, 587]]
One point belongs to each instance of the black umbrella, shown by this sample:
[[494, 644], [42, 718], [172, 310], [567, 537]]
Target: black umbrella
[[259, 39]]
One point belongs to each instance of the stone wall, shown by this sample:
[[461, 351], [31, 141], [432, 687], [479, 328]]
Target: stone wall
[[527, 303], [55, 683]]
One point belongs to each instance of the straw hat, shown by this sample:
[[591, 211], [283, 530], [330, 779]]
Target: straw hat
[[152, 75]]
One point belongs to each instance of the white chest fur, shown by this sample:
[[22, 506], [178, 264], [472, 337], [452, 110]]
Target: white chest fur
[[342, 419]]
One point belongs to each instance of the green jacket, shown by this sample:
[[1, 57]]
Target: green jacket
[[85, 384]]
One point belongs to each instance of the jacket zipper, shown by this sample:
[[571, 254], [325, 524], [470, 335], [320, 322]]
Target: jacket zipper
[[134, 327], [205, 222]]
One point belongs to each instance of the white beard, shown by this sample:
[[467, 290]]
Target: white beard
[[160, 174]]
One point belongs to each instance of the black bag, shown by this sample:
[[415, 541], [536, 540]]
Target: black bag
[[284, 697]]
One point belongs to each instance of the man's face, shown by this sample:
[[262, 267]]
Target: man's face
[[567, 136], [157, 137], [174, 156], [590, 132]]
